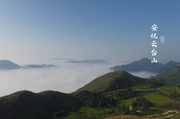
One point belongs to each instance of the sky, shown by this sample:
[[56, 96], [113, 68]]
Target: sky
[[34, 31]]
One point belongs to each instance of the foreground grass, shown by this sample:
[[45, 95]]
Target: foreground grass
[[154, 98], [156, 116], [90, 113], [157, 99], [100, 113], [167, 90], [177, 116], [126, 117], [127, 102]]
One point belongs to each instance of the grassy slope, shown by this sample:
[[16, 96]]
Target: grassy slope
[[157, 99], [89, 113], [167, 90], [102, 82], [112, 81], [126, 117], [172, 75], [154, 98]]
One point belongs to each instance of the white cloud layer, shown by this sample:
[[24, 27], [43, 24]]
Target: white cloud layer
[[65, 78], [143, 74]]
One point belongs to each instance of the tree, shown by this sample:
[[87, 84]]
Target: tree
[[141, 103]]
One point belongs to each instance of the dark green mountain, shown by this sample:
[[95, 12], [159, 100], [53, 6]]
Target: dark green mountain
[[145, 64], [44, 105], [112, 81], [171, 75], [92, 99]]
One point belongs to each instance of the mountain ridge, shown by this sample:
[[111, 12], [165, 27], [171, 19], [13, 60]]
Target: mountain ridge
[[144, 64], [172, 75], [112, 81]]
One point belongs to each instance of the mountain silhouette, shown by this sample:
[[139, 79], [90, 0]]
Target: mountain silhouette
[[44, 105], [145, 64], [112, 81], [8, 65]]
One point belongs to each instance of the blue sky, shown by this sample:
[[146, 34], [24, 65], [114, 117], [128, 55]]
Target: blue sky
[[114, 30]]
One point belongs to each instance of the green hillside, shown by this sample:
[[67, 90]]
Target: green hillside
[[171, 75], [113, 81], [92, 99], [44, 105]]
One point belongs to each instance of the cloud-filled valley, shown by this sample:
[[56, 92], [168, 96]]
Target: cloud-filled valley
[[64, 78], [61, 76]]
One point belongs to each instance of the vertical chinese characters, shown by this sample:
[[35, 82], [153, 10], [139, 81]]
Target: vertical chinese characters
[[154, 37]]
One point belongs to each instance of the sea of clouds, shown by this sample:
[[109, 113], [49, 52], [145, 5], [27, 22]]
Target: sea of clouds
[[67, 77], [64, 78]]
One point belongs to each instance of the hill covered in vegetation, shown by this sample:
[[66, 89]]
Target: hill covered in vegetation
[[44, 105], [114, 81], [171, 75]]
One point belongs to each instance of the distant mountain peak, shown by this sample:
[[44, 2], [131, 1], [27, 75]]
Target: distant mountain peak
[[9, 65], [145, 64], [6, 65], [145, 59]]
